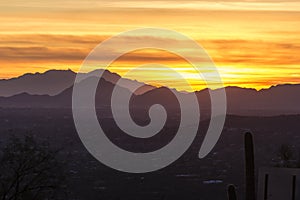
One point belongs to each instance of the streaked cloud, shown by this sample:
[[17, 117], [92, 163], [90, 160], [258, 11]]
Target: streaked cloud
[[273, 5], [70, 47], [254, 43], [252, 63], [211, 5]]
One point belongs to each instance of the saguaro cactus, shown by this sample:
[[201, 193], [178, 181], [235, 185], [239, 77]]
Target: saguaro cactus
[[250, 171], [250, 168], [231, 193]]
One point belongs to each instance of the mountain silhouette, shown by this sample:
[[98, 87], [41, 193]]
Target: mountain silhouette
[[277, 100], [53, 82], [114, 78], [63, 99], [281, 99]]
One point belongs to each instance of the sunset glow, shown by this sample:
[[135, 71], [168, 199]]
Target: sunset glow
[[254, 44]]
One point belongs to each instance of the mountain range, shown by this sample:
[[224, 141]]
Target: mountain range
[[53, 82], [53, 89]]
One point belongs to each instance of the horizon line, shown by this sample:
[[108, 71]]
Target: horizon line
[[160, 86]]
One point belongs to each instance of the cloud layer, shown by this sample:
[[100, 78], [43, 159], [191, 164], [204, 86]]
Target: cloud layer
[[254, 43]]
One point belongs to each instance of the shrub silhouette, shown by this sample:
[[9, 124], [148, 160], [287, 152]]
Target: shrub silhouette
[[231, 193], [286, 156]]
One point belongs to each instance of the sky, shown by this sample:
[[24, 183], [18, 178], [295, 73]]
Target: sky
[[253, 43]]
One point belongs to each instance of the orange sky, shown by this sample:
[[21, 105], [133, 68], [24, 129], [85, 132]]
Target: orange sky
[[253, 43]]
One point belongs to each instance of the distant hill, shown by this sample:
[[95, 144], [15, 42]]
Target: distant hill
[[51, 82], [277, 100], [62, 100], [281, 99], [54, 82]]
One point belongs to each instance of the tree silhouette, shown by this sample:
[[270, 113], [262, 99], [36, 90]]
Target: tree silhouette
[[29, 170]]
